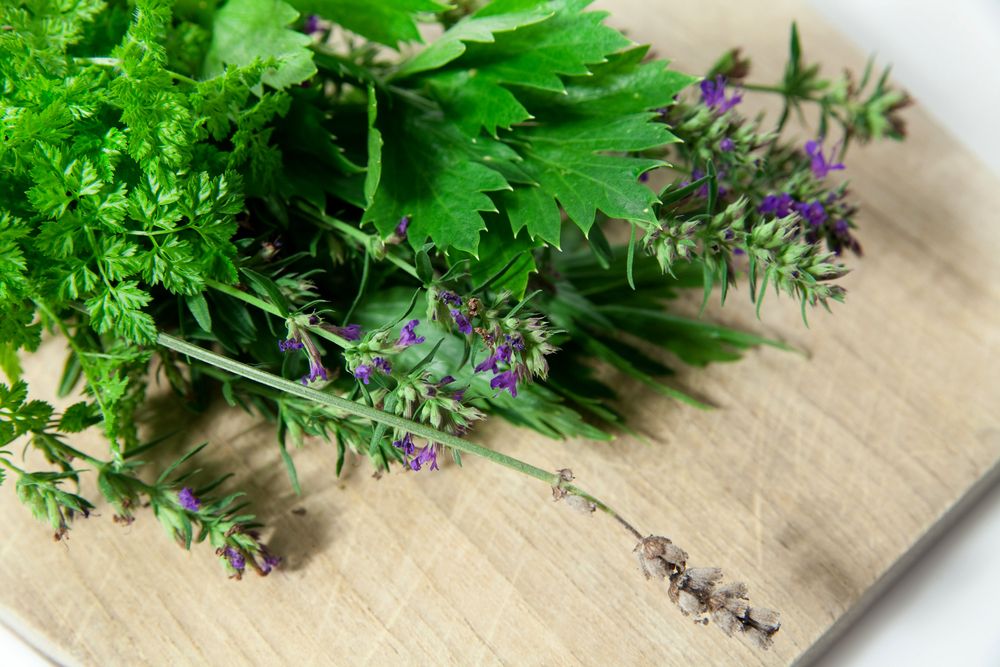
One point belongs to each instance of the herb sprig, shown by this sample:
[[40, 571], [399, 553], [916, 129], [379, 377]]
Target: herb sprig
[[381, 250]]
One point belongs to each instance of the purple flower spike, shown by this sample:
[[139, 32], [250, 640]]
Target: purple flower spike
[[713, 95], [819, 164], [406, 444], [350, 332], [382, 364], [363, 373], [450, 298], [780, 206], [506, 380], [407, 336], [404, 224], [316, 372], [427, 455], [188, 500], [236, 559], [464, 326], [290, 345]]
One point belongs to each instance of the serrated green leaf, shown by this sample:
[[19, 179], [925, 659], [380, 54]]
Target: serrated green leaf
[[475, 89], [498, 16], [430, 173], [388, 22], [245, 31]]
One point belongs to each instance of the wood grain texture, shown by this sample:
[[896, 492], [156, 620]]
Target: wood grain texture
[[810, 481]]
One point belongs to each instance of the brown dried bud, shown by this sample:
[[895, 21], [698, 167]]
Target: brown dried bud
[[659, 557], [565, 474]]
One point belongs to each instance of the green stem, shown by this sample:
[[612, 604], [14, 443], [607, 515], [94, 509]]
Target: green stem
[[116, 451], [366, 240], [116, 62], [273, 310], [376, 415]]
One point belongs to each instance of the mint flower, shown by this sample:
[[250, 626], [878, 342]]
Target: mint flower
[[819, 164], [188, 500], [405, 444], [363, 373], [713, 95], [506, 380], [407, 336], [464, 326], [382, 364], [426, 455], [236, 559]]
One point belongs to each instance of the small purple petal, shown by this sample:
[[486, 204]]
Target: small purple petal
[[363, 373], [407, 335], [450, 298], [464, 326], [506, 380], [236, 559], [404, 224], [382, 364], [188, 500]]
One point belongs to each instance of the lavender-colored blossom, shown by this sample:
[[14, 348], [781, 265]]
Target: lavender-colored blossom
[[383, 365], [460, 394], [188, 500], [841, 227], [312, 24], [404, 224], [516, 341], [450, 298], [407, 336], [819, 164], [290, 345], [363, 373], [506, 380], [236, 559], [713, 95], [464, 326], [426, 455], [780, 206], [314, 320], [350, 332], [406, 444], [270, 562], [445, 381], [643, 177], [813, 213], [316, 372], [726, 145]]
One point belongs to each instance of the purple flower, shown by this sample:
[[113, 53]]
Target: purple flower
[[350, 332], [312, 24], [188, 500], [841, 227], [407, 336], [270, 562], [316, 372], [363, 373], [426, 455], [406, 444], [235, 558], [819, 164], [290, 345], [382, 364], [459, 395], [780, 206], [464, 326], [515, 341], [506, 380], [314, 320], [713, 95], [813, 213], [404, 224], [726, 145], [643, 177], [445, 381], [450, 298]]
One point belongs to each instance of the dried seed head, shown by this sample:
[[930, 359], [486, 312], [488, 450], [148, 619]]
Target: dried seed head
[[659, 557]]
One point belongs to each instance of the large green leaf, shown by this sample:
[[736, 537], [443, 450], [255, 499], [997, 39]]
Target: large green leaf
[[435, 175], [248, 30], [385, 21], [475, 88], [577, 148]]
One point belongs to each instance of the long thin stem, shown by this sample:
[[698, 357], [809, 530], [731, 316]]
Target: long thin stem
[[379, 416]]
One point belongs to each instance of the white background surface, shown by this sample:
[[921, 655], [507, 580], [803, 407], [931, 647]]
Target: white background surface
[[943, 610]]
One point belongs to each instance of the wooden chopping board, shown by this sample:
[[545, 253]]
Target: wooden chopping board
[[813, 479]]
